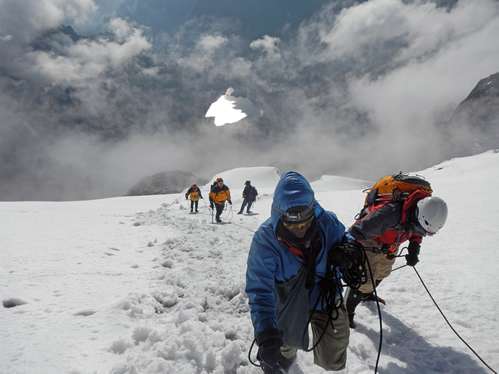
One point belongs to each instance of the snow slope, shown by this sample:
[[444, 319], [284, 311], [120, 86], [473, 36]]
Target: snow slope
[[138, 285], [336, 183], [264, 177]]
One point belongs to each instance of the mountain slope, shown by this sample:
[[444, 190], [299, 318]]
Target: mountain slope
[[109, 290], [479, 112]]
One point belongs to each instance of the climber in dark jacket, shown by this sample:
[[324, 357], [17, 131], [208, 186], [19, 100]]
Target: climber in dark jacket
[[249, 195]]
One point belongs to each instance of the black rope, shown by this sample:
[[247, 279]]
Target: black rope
[[353, 274], [448, 323], [400, 267], [327, 298], [276, 370], [249, 355], [379, 313], [354, 277]]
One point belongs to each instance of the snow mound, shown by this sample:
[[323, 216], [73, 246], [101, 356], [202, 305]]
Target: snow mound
[[337, 183], [260, 177]]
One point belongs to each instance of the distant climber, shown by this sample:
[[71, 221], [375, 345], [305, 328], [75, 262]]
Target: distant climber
[[194, 194], [219, 194], [249, 195]]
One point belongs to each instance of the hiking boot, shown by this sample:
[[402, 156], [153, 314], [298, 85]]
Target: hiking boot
[[286, 363], [239, 212]]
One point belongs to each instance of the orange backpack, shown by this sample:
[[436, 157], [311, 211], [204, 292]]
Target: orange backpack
[[396, 187]]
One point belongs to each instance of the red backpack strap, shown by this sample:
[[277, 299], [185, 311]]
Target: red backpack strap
[[295, 251], [410, 201]]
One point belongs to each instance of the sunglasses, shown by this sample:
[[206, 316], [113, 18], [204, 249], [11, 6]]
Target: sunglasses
[[298, 216], [298, 226]]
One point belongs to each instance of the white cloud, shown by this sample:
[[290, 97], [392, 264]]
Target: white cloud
[[202, 57], [379, 72], [360, 26], [409, 30], [87, 59], [268, 45], [210, 43], [120, 28], [25, 19], [239, 68], [418, 92]]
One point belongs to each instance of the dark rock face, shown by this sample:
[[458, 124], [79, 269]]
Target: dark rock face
[[165, 183], [480, 111], [474, 125], [487, 87]]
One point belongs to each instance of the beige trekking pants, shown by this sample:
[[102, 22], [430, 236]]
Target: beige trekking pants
[[381, 267], [331, 352]]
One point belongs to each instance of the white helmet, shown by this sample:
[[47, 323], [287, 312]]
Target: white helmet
[[431, 214]]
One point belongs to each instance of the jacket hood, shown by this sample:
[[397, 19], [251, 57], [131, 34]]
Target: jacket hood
[[292, 190]]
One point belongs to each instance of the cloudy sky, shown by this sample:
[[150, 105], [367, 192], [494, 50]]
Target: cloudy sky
[[354, 89]]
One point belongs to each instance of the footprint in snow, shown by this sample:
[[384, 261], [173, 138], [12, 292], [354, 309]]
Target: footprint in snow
[[13, 302], [85, 312], [119, 346]]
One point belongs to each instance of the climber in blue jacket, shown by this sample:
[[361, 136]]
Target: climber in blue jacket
[[287, 261]]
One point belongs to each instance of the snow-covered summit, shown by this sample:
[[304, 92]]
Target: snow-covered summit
[[260, 176], [338, 183]]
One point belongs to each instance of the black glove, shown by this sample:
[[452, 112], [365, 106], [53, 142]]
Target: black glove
[[411, 257], [269, 350], [346, 255], [349, 257], [211, 205], [230, 202]]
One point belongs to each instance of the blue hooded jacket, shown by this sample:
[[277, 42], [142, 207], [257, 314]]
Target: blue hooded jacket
[[271, 264]]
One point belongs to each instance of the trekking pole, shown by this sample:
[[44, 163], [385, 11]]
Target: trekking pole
[[448, 323], [230, 214]]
